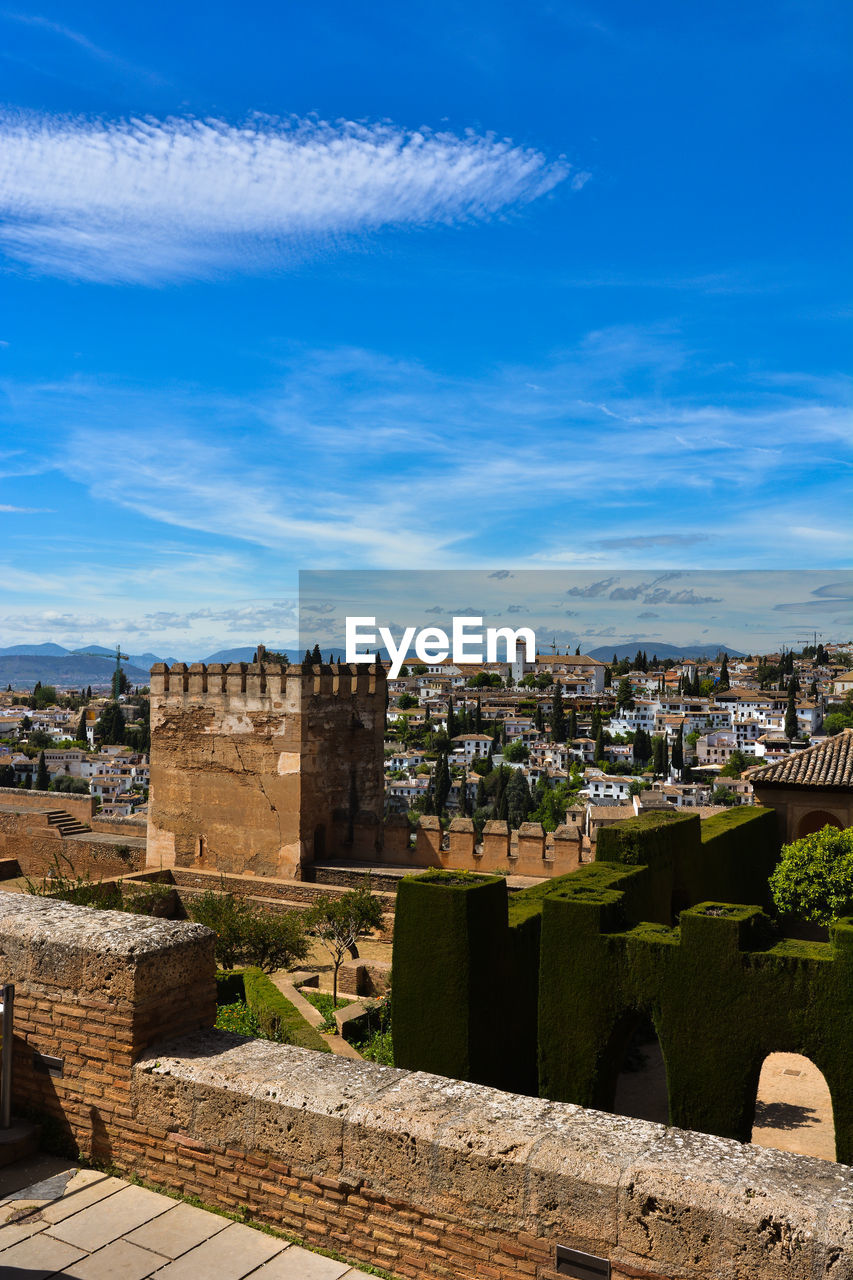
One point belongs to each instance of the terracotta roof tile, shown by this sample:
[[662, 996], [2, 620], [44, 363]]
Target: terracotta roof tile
[[826, 764]]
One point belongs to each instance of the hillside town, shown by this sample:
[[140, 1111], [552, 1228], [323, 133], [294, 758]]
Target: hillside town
[[570, 734], [565, 737]]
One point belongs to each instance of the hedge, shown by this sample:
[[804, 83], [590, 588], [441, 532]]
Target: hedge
[[670, 927], [273, 1010]]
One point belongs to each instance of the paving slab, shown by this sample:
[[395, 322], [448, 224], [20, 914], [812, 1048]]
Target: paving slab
[[230, 1255], [87, 1187], [110, 1218], [178, 1230], [15, 1231], [117, 1261], [299, 1264], [37, 1258]]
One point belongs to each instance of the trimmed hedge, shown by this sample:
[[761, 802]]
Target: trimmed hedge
[[722, 993], [274, 1012], [448, 973], [657, 927]]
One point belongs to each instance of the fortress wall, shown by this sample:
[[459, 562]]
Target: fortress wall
[[251, 763], [422, 1175], [79, 806]]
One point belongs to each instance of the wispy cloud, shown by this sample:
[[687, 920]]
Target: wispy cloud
[[149, 200], [78, 40], [458, 472]]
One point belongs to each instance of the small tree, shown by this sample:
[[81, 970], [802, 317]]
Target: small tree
[[624, 694], [339, 922], [42, 776], [247, 935], [791, 726], [814, 877], [518, 799], [558, 715]]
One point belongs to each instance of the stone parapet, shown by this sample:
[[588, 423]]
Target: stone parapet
[[511, 1174], [419, 1174]]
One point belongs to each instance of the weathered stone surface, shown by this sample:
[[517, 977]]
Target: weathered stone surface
[[650, 1197], [250, 766], [115, 954]]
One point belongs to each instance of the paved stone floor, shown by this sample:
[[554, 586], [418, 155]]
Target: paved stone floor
[[58, 1220]]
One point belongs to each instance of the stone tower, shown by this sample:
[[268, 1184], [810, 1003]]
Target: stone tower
[[260, 767]]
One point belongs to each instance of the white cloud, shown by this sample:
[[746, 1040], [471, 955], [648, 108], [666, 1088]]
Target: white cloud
[[146, 200]]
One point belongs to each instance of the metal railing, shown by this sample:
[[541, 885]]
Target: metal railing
[[7, 1017]]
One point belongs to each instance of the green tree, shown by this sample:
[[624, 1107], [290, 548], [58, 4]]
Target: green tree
[[441, 784], [247, 935], [722, 795], [735, 765], [791, 727], [558, 715], [80, 733], [42, 775], [109, 727], [518, 799], [723, 682], [814, 876], [599, 744], [660, 756], [678, 750], [452, 728], [516, 752], [624, 694], [338, 923]]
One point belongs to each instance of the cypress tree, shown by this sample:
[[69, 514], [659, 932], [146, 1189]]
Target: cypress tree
[[478, 717], [599, 744], [723, 682], [791, 727], [518, 799], [442, 784], [452, 728], [558, 715], [678, 750], [316, 656], [306, 661], [80, 734], [42, 776]]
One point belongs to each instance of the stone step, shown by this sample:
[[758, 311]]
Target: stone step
[[19, 1142]]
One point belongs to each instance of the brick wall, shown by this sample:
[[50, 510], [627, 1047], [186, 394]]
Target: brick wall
[[425, 1176]]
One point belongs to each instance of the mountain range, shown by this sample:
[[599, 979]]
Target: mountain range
[[22, 665], [709, 650]]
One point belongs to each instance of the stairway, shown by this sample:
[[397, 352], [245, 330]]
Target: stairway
[[65, 824]]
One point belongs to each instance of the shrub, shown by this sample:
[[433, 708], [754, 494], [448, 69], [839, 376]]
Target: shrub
[[814, 878], [245, 934]]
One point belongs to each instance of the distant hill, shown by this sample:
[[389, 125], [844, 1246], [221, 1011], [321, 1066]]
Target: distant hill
[[650, 647], [247, 653], [72, 671], [45, 650]]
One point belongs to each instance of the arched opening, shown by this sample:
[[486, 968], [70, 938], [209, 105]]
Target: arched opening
[[793, 1107], [816, 821], [640, 1089]]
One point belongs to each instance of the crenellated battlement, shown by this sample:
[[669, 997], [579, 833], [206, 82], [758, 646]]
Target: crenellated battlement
[[217, 682], [251, 760]]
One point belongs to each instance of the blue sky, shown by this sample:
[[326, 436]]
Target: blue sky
[[454, 286]]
